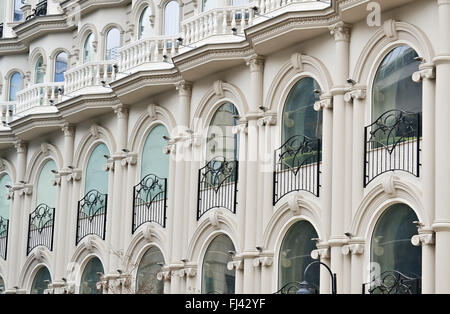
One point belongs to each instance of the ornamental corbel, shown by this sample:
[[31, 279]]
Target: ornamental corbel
[[89, 244], [237, 265], [353, 249], [389, 184], [151, 111], [240, 128], [26, 189], [109, 166], [131, 159], [10, 194], [190, 272], [75, 175], [57, 180], [426, 71], [267, 120], [264, 261], [170, 149], [390, 29], [147, 233], [164, 275], [423, 239], [355, 94], [218, 89], [322, 253], [94, 130], [293, 203], [214, 218], [297, 62], [325, 102], [39, 254]]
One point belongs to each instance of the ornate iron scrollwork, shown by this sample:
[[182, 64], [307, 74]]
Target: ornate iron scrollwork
[[40, 10], [292, 288], [149, 203], [392, 143], [41, 226], [297, 166], [4, 225], [393, 282], [92, 215], [217, 185]]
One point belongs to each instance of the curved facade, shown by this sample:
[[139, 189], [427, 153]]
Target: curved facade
[[202, 147]]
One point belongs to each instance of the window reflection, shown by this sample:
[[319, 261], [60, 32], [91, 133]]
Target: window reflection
[[41, 281], [112, 44], [149, 267], [91, 276], [18, 14], [145, 25], [39, 71], [172, 18], [88, 52], [15, 85], [60, 66]]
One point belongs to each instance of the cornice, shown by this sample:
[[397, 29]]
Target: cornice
[[40, 25], [84, 7], [24, 126]]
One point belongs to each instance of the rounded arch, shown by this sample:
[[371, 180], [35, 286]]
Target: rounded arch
[[83, 34], [5, 199], [38, 258], [53, 59], [142, 288], [34, 58], [7, 167], [9, 75], [386, 38], [136, 14], [176, 7], [104, 34], [37, 161], [90, 267]]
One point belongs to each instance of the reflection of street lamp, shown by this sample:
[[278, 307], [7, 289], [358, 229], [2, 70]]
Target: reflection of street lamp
[[304, 285]]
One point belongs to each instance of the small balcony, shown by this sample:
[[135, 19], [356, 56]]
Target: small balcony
[[279, 7], [217, 186], [150, 201], [297, 167], [39, 95], [41, 228], [392, 143], [147, 51], [40, 10], [91, 218], [4, 226], [393, 282], [7, 110], [91, 75]]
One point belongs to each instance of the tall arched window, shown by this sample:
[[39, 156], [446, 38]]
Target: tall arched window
[[172, 18], [154, 161], [5, 204], [391, 247], [216, 277], [149, 267], [393, 87], [145, 25], [39, 71], [295, 256], [15, 85], [112, 44], [61, 62], [46, 192], [221, 142], [96, 177], [41, 281], [18, 14], [299, 116], [88, 49], [91, 275]]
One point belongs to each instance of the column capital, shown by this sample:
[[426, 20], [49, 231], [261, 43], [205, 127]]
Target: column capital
[[426, 71], [130, 159], [353, 249], [20, 146], [184, 88], [423, 238], [325, 102], [268, 119], [340, 31], [68, 129], [241, 128], [356, 93], [256, 63], [121, 111]]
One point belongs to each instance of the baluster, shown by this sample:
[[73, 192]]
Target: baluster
[[200, 28], [215, 23], [262, 6], [242, 20], [113, 74], [192, 32], [233, 18], [250, 17], [156, 50], [45, 90], [97, 74], [197, 32], [52, 93], [268, 8], [105, 72], [172, 50], [164, 41], [224, 22]]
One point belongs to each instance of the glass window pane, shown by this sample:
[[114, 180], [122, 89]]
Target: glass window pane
[[216, 277], [96, 178], [295, 256], [39, 71], [41, 281], [393, 86], [149, 267], [154, 161], [46, 192], [60, 66], [91, 276], [2, 285], [112, 44], [209, 4], [145, 26], [5, 204], [15, 85], [221, 142], [172, 18], [18, 14], [239, 2], [299, 116], [391, 246], [88, 52]]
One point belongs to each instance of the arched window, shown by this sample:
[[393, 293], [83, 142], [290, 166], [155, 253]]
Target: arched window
[[221, 142], [96, 177], [391, 247], [295, 256], [393, 87], [149, 267], [41, 281], [172, 18], [209, 4], [2, 285], [15, 85], [61, 62], [216, 277], [18, 14], [46, 192], [299, 116], [145, 25], [5, 204], [88, 49], [154, 161], [112, 44], [91, 275], [39, 71]]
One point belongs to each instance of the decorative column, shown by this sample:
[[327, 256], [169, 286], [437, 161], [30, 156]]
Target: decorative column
[[322, 254], [165, 275], [129, 164], [15, 224], [426, 239], [238, 265], [111, 258], [264, 262], [341, 33], [355, 250], [256, 64], [442, 217]]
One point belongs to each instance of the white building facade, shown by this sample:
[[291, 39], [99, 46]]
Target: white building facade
[[223, 146]]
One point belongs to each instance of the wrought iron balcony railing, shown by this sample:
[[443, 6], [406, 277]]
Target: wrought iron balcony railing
[[297, 167], [91, 218], [40, 10], [150, 201], [217, 186], [4, 226], [392, 143], [393, 282], [41, 227]]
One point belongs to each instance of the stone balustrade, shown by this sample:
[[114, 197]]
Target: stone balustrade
[[43, 94], [267, 6], [89, 74]]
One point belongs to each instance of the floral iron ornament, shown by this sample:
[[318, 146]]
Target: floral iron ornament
[[92, 215], [394, 282], [41, 227]]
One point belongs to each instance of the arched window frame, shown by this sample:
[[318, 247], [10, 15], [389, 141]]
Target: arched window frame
[[86, 265], [144, 142], [140, 15], [40, 173], [89, 36], [143, 254], [13, 73], [36, 274], [37, 79], [54, 59], [163, 17], [105, 34]]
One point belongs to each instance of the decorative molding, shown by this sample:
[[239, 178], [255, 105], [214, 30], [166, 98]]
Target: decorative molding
[[20, 146], [267, 120], [340, 31], [75, 175], [264, 261], [256, 63], [151, 111], [353, 249], [390, 29], [218, 89], [241, 128], [325, 102], [184, 88], [293, 203], [388, 184], [68, 129], [130, 159], [45, 150], [426, 71], [235, 264], [355, 94], [121, 111], [214, 218], [94, 130], [297, 62], [425, 237], [322, 252]]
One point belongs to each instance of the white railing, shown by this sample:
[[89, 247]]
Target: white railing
[[7, 109], [219, 21], [43, 94], [147, 50], [266, 6], [90, 74]]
